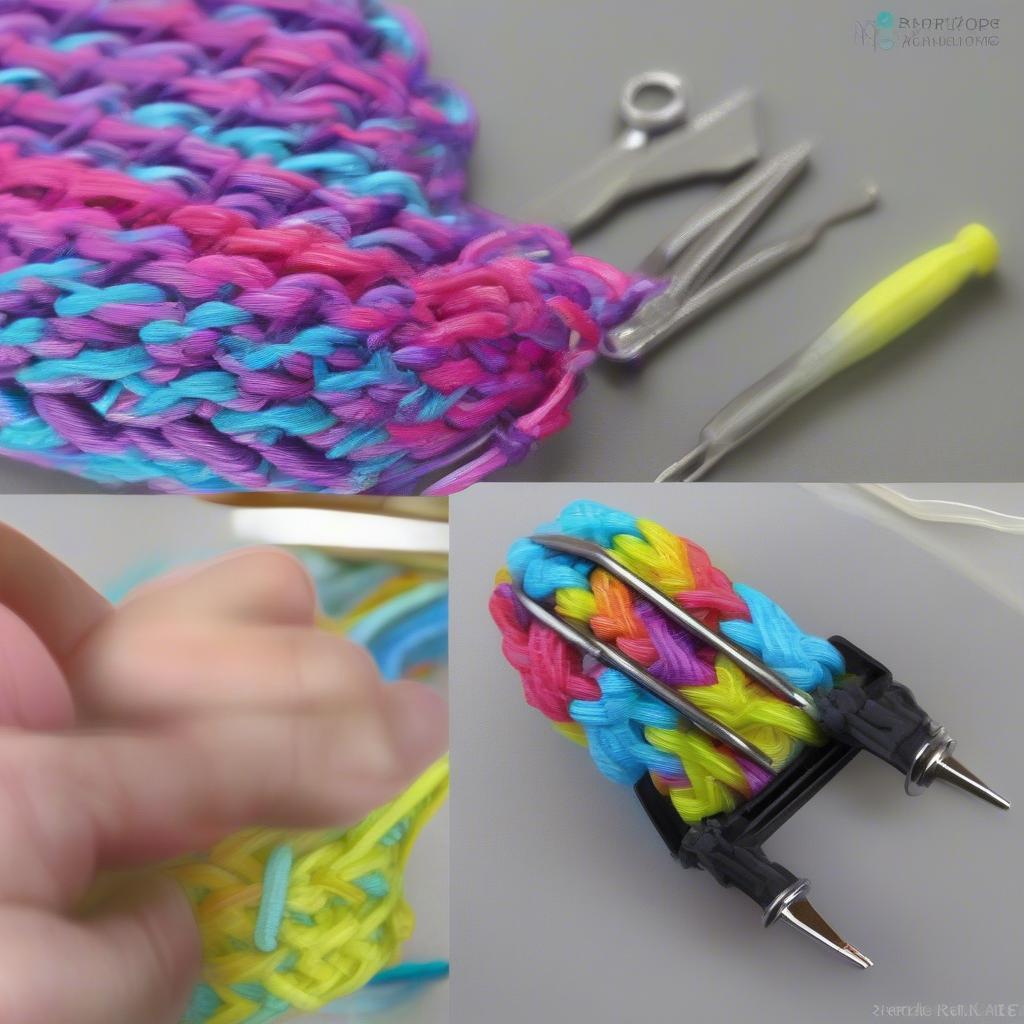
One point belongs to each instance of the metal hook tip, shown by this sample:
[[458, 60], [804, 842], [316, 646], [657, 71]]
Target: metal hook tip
[[689, 464], [801, 914]]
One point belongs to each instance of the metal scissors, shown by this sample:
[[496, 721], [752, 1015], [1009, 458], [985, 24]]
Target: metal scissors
[[659, 146]]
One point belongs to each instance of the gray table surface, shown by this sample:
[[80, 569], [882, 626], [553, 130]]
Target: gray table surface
[[938, 129], [567, 905]]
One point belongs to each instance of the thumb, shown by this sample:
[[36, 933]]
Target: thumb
[[33, 692]]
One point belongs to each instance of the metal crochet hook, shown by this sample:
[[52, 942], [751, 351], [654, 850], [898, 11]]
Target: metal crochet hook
[[614, 658], [700, 246], [656, 149], [877, 318], [752, 665], [892, 726]]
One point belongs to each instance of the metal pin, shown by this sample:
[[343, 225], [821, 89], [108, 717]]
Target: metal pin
[[750, 664], [794, 908], [708, 239], [614, 658], [935, 761]]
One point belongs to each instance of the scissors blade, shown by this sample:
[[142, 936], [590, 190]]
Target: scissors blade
[[720, 142]]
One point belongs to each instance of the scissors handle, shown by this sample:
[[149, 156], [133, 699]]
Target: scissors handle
[[669, 113]]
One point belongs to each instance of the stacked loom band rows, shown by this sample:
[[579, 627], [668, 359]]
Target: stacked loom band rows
[[235, 254], [290, 920], [627, 731]]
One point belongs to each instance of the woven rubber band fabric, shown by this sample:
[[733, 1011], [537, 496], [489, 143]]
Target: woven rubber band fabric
[[236, 254], [291, 921], [627, 731]]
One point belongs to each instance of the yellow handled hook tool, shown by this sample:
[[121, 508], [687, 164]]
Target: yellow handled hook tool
[[883, 314]]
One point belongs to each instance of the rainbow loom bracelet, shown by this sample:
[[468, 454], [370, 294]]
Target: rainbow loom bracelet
[[627, 731], [235, 254], [291, 921], [705, 697]]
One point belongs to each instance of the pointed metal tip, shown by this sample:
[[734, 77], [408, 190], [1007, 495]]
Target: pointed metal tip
[[689, 467], [854, 954], [800, 914], [950, 770]]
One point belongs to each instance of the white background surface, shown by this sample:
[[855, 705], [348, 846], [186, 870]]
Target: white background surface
[[105, 538], [568, 906]]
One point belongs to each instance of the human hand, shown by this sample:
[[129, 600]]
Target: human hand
[[205, 703]]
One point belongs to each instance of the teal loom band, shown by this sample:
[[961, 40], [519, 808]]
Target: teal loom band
[[73, 42], [84, 299], [383, 183], [164, 332], [26, 331], [92, 364], [434, 404], [111, 394], [395, 647], [296, 421], [71, 267], [426, 642], [274, 143], [379, 369], [30, 437], [357, 439], [276, 876], [164, 172], [22, 76], [331, 161], [394, 33], [210, 385], [171, 115], [315, 342], [395, 610], [428, 970], [217, 314]]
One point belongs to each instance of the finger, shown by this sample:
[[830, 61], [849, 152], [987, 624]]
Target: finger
[[33, 692], [204, 667], [79, 803], [251, 585], [60, 607], [135, 960]]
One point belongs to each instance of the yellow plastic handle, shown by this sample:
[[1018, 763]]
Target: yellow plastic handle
[[897, 303]]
